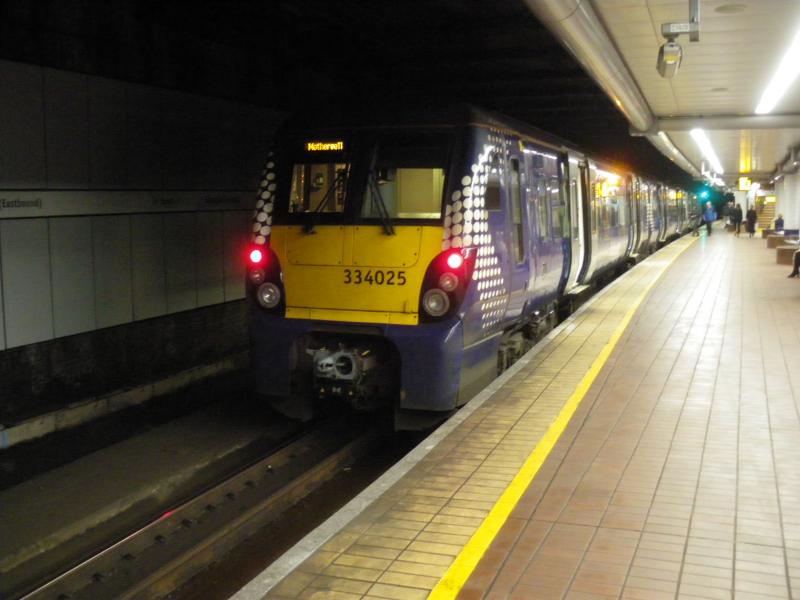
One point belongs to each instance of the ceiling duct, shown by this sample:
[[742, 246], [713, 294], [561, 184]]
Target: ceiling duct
[[576, 25]]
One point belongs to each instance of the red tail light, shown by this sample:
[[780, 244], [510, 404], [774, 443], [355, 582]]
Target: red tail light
[[265, 279], [256, 256], [445, 283], [455, 260]]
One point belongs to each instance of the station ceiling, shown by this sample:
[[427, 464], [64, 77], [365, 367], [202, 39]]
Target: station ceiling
[[302, 54], [721, 77]]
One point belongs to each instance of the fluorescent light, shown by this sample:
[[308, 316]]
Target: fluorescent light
[[784, 77], [702, 142]]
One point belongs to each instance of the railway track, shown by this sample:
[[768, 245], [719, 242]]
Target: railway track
[[165, 553]]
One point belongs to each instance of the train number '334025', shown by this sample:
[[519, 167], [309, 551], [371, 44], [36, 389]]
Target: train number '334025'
[[374, 277]]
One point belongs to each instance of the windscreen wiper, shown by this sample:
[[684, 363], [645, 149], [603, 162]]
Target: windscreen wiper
[[386, 219], [340, 177]]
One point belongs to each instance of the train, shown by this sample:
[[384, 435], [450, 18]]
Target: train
[[402, 260]]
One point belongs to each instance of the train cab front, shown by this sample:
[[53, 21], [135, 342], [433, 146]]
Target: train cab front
[[352, 297]]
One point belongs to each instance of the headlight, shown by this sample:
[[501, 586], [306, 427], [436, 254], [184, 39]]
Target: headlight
[[268, 295], [448, 282], [256, 276], [435, 302]]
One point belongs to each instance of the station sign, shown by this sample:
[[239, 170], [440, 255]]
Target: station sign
[[744, 184]]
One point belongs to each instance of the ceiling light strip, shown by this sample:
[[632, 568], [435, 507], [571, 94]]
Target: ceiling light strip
[[787, 72], [702, 141]]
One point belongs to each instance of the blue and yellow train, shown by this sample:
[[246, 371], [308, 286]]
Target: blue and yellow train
[[405, 261]]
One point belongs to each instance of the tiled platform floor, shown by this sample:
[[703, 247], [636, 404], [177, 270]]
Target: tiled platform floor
[[676, 474], [681, 478]]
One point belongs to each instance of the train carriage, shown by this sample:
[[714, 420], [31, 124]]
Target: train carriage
[[403, 262]]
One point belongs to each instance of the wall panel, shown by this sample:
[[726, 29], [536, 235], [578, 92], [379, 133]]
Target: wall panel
[[181, 261], [71, 257], [119, 201], [2, 308], [66, 120], [208, 250], [144, 139], [180, 134], [149, 278], [237, 236], [28, 306], [107, 135], [111, 237], [22, 162]]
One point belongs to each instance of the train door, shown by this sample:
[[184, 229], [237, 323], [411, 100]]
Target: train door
[[659, 221], [536, 207], [496, 205], [576, 213], [647, 217], [518, 254], [633, 198], [548, 209], [589, 221]]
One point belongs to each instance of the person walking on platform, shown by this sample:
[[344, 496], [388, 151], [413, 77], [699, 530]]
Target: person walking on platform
[[751, 220], [709, 216], [737, 218], [779, 223]]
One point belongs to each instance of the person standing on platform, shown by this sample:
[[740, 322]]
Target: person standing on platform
[[779, 223], [751, 220], [795, 263], [709, 216], [737, 218]]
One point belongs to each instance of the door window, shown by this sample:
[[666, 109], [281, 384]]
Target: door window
[[516, 211]]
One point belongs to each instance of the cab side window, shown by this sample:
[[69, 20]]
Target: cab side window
[[492, 197]]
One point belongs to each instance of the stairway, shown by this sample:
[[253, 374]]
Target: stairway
[[766, 216]]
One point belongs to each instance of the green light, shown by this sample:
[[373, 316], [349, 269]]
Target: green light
[[704, 194]]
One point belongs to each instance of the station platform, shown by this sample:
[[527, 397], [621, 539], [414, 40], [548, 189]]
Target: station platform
[[646, 449]]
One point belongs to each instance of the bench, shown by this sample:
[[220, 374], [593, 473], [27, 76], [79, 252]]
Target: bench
[[784, 255], [765, 233], [773, 241]]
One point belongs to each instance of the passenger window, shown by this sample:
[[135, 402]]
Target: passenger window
[[516, 211], [613, 213], [492, 197], [544, 200], [558, 209], [576, 199], [608, 192]]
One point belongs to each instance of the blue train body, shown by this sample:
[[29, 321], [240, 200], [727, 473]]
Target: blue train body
[[492, 227]]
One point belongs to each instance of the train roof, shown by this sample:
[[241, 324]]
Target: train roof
[[454, 115]]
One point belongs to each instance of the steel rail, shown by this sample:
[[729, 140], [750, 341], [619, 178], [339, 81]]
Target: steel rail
[[165, 553]]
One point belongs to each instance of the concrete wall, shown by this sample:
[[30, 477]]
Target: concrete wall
[[118, 202], [122, 207], [787, 193]]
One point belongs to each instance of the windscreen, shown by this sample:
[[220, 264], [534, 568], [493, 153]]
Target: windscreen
[[319, 178], [406, 179]]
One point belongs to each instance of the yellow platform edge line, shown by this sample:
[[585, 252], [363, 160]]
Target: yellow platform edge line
[[464, 564]]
